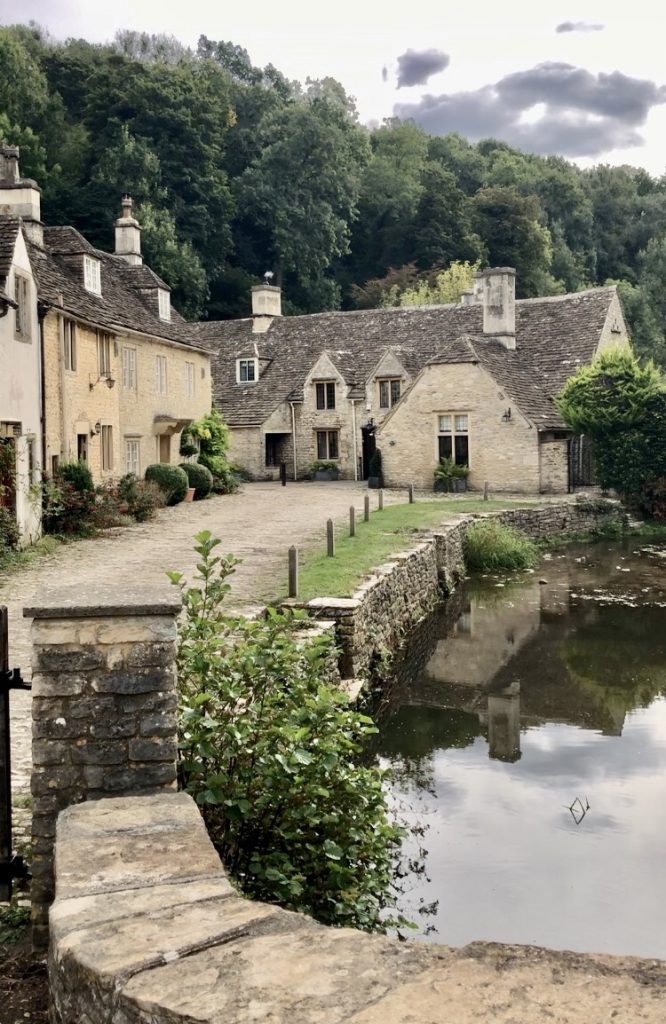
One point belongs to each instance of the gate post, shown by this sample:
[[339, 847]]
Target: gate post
[[104, 708]]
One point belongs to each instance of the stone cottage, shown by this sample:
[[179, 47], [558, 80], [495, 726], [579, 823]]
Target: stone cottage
[[121, 375], [474, 381]]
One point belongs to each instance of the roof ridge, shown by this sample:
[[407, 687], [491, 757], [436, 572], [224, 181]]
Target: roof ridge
[[568, 295]]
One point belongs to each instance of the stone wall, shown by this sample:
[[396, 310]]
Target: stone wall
[[104, 708]]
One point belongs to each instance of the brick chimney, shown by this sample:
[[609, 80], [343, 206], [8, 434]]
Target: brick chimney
[[128, 235], [497, 287], [266, 304], [20, 197]]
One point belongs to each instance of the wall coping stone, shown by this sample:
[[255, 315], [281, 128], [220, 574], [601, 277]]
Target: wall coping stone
[[98, 601]]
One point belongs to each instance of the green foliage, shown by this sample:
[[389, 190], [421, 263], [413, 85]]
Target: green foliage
[[324, 466], [490, 546], [211, 435], [9, 531], [139, 499], [171, 480], [272, 754], [448, 286], [610, 394], [447, 469], [77, 474], [198, 477], [14, 923]]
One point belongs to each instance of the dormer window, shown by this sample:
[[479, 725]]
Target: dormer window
[[247, 371], [164, 304], [92, 278]]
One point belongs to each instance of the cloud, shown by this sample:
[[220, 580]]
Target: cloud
[[580, 26], [415, 67], [581, 114]]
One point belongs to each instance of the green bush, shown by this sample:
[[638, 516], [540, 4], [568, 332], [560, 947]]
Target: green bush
[[323, 466], [198, 477], [139, 498], [272, 754], [171, 480], [67, 509], [9, 531], [492, 547], [77, 474]]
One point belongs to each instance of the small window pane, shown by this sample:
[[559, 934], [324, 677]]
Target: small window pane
[[461, 423], [462, 450], [383, 394], [330, 395], [395, 391], [445, 424], [322, 451], [321, 396], [333, 444], [445, 449], [246, 371]]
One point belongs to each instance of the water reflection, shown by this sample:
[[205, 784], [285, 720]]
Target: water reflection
[[515, 701]]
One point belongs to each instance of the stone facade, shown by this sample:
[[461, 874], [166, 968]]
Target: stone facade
[[104, 708]]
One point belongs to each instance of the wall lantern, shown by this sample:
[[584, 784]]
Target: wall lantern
[[97, 429], [108, 380], [506, 416]]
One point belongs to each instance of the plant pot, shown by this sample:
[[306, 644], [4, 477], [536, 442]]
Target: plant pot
[[375, 482], [325, 474], [443, 486], [190, 494], [459, 484]]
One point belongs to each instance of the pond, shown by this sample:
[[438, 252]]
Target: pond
[[526, 731]]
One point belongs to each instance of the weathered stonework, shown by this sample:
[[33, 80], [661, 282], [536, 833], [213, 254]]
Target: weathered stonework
[[103, 706]]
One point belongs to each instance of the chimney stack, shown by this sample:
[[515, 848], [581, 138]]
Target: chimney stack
[[266, 304], [20, 197], [128, 235], [498, 289]]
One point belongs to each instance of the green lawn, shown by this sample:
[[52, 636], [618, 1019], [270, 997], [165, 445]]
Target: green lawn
[[388, 531]]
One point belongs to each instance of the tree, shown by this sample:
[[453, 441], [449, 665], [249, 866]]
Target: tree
[[447, 286], [509, 225], [442, 227]]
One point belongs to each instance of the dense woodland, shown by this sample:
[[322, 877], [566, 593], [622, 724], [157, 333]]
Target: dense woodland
[[236, 170]]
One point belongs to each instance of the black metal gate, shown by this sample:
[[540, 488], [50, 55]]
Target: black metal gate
[[11, 866], [581, 462]]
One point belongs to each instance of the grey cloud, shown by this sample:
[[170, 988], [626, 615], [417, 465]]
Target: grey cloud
[[584, 114], [580, 26], [415, 67]]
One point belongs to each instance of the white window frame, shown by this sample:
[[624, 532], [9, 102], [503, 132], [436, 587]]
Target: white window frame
[[106, 447], [164, 304], [129, 368], [189, 379], [243, 366], [454, 429], [161, 380], [104, 356], [388, 382], [69, 344], [133, 456], [92, 275]]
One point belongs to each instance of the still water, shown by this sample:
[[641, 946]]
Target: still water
[[527, 737]]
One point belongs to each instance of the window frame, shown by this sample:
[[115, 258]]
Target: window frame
[[324, 453], [106, 447], [133, 442], [452, 433], [69, 344], [129, 368], [325, 396], [22, 318], [389, 384], [92, 275], [164, 304], [247, 362], [104, 356], [161, 377], [190, 379]]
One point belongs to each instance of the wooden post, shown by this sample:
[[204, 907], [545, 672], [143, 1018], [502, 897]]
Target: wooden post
[[352, 521], [485, 491], [293, 572], [330, 539], [283, 474], [366, 508], [410, 491], [380, 499]]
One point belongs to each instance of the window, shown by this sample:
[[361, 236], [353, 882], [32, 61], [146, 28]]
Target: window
[[164, 304], [32, 461], [69, 344], [326, 394], [103, 354], [22, 312], [129, 369], [389, 393], [453, 437], [92, 280], [107, 447], [161, 375], [327, 444], [82, 447], [189, 380], [246, 371], [132, 452]]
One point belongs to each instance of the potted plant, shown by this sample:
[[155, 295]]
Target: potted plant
[[376, 475], [323, 470], [451, 477]]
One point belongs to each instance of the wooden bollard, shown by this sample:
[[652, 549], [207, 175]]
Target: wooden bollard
[[380, 499], [352, 521], [410, 491], [366, 508], [485, 491], [330, 539], [293, 572]]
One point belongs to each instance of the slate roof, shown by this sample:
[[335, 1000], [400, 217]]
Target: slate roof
[[553, 337], [121, 304], [8, 231]]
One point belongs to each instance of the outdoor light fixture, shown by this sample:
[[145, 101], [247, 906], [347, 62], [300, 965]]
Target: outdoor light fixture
[[108, 380], [506, 416], [97, 429]]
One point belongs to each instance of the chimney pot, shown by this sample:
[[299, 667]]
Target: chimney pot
[[20, 197], [266, 304], [498, 288], [128, 234]]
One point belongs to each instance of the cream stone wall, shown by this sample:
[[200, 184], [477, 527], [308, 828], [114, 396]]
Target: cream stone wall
[[388, 368], [614, 333], [505, 454], [74, 408], [312, 419], [20, 390], [553, 465]]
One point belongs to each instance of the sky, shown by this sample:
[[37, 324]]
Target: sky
[[585, 80]]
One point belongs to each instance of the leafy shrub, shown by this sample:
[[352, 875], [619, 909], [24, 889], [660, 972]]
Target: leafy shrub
[[171, 480], [323, 466], [66, 509], [653, 499], [9, 531], [77, 474], [140, 498], [198, 477], [491, 546], [225, 479], [270, 751]]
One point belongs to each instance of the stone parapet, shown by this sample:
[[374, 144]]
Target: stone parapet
[[104, 708]]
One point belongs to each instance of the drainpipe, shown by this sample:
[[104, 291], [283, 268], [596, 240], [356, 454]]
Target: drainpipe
[[353, 405], [42, 310], [293, 439]]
